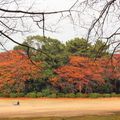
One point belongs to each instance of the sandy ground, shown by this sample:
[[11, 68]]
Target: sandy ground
[[58, 107]]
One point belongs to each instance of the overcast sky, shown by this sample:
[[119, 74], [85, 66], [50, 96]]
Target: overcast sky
[[65, 30]]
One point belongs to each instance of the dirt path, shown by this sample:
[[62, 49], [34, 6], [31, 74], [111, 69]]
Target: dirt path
[[58, 107]]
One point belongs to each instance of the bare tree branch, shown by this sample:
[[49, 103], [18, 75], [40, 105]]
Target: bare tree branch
[[104, 10], [16, 20]]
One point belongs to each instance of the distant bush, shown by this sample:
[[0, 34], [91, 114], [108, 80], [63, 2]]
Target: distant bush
[[60, 95], [31, 95], [70, 95], [6, 94], [13, 95], [94, 95], [46, 92], [53, 95], [20, 94], [81, 95], [114, 95], [118, 95], [39, 94], [106, 95], [1, 95]]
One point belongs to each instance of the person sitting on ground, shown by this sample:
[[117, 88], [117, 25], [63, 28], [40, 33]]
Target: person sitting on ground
[[18, 103]]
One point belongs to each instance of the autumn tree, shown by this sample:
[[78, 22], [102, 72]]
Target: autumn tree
[[53, 54], [112, 72], [15, 69], [81, 74]]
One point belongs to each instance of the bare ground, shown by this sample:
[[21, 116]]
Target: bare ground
[[43, 107]]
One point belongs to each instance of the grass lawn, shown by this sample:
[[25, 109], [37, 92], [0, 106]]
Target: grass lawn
[[96, 117]]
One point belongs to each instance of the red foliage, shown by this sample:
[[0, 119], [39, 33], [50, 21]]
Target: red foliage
[[111, 67], [80, 72], [15, 69]]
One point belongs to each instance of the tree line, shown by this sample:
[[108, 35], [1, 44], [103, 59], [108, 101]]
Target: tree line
[[53, 67]]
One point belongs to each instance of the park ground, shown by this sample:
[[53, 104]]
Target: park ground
[[58, 107]]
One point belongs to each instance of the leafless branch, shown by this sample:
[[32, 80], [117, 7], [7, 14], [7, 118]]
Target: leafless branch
[[15, 20], [104, 10]]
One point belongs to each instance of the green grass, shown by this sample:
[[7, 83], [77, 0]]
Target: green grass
[[95, 117]]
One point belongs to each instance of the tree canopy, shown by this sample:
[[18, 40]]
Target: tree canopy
[[59, 67], [15, 70]]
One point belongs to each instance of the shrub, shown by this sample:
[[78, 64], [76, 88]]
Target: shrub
[[70, 95], [94, 95], [52, 95], [46, 92], [106, 95], [118, 95], [114, 95], [81, 95], [13, 95], [20, 95], [39, 94], [1, 95], [6, 94], [60, 95], [31, 95]]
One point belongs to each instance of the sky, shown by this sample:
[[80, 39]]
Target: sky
[[63, 31], [66, 29]]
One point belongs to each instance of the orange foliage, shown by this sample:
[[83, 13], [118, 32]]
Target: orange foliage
[[111, 67], [15, 69], [79, 73]]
